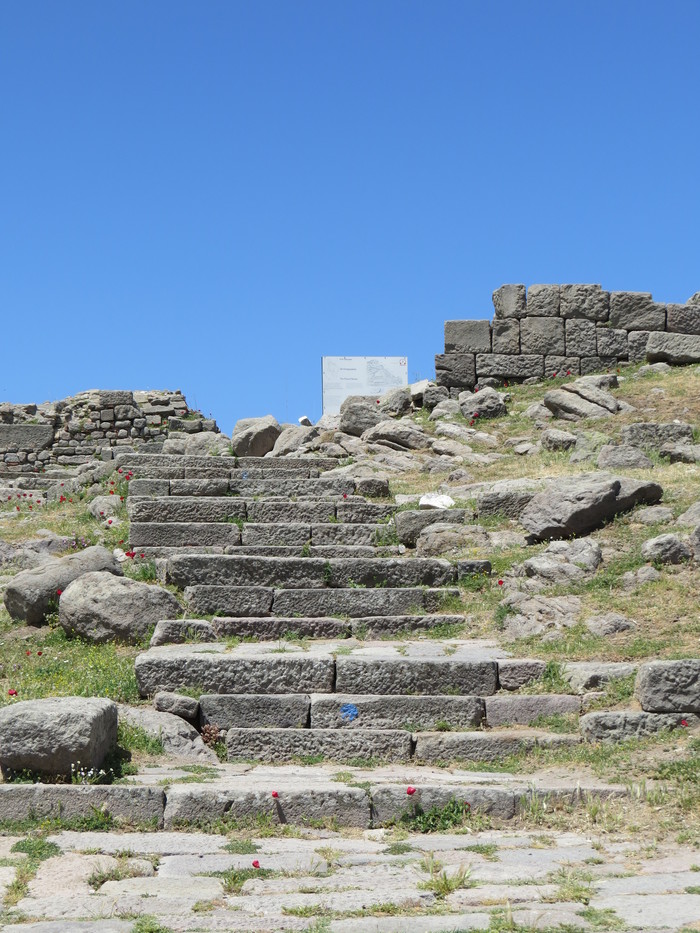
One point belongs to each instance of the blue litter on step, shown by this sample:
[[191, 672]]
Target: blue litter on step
[[349, 712], [244, 475]]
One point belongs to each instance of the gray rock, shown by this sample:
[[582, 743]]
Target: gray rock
[[177, 704], [666, 549], [467, 336], [400, 712], [681, 453], [543, 301], [592, 675], [691, 516], [124, 804], [589, 302], [636, 311], [255, 437], [433, 396], [564, 562], [534, 615], [669, 686], [651, 436], [177, 631], [654, 515], [683, 319], [399, 435], [442, 539], [554, 439], [244, 710], [100, 607], [584, 504], [179, 739], [207, 444], [543, 335], [537, 411], [569, 406], [608, 623], [506, 366], [524, 710], [26, 436], [33, 593], [444, 409], [292, 438], [626, 724], [455, 370], [509, 301], [51, 736], [652, 369], [517, 672], [611, 342], [588, 443], [508, 497], [677, 349], [410, 524], [632, 579], [486, 403], [505, 337], [396, 402], [581, 338], [103, 507], [623, 456]]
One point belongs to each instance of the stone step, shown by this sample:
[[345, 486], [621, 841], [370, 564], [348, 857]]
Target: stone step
[[183, 534], [140, 464], [267, 511], [340, 711], [321, 744], [304, 572], [351, 603], [418, 668], [303, 796], [326, 533], [441, 748], [274, 628], [272, 550]]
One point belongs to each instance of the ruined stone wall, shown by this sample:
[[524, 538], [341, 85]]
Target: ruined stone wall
[[559, 329], [77, 429]]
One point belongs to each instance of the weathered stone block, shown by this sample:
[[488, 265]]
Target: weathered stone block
[[52, 736], [333, 744], [636, 311], [621, 725], [502, 365], [467, 336], [349, 711], [683, 319], [482, 746], [580, 338], [543, 301], [25, 436], [562, 365], [505, 336], [132, 805], [405, 675], [669, 686], [542, 335], [612, 342], [501, 711], [455, 370], [677, 349], [637, 345], [247, 710], [515, 673], [509, 301], [588, 302], [597, 364]]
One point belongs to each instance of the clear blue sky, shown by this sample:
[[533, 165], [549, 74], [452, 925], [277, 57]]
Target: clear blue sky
[[211, 196]]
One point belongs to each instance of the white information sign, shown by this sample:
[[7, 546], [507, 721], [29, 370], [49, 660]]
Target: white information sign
[[360, 375]]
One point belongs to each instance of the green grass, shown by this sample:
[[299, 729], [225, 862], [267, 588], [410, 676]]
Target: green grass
[[149, 924], [234, 878], [453, 815], [65, 667], [487, 850], [241, 846], [36, 847], [133, 738]]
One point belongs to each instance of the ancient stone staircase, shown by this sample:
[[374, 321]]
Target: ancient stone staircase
[[303, 596]]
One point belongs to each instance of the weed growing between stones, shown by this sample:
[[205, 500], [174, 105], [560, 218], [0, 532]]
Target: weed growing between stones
[[454, 815], [149, 924]]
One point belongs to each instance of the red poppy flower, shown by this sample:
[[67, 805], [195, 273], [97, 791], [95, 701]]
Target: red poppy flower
[[256, 863], [58, 592], [410, 791], [39, 653], [275, 794], [11, 693], [28, 653], [684, 722], [500, 582]]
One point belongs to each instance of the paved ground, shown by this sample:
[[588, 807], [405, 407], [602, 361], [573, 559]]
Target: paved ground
[[352, 882]]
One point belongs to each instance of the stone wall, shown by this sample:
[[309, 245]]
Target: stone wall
[[548, 330], [76, 430]]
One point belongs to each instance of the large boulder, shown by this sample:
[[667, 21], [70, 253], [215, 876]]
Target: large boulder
[[669, 686], [207, 444], [487, 403], [527, 615], [666, 549], [32, 594], [676, 349], [581, 399], [100, 607], [292, 438], [623, 457], [49, 737], [410, 523], [255, 437], [651, 435], [359, 413], [583, 504], [400, 435]]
